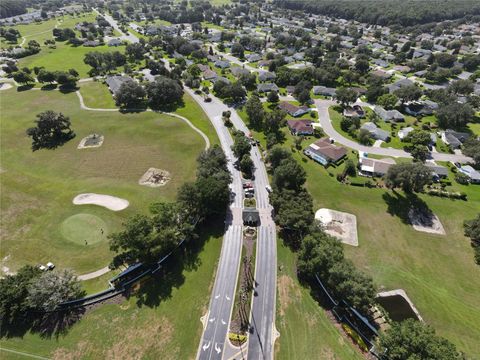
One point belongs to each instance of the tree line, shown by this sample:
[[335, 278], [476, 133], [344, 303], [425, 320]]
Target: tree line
[[390, 12]]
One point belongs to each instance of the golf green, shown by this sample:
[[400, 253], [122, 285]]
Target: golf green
[[84, 229]]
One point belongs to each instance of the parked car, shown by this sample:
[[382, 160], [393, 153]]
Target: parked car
[[247, 185], [269, 188]]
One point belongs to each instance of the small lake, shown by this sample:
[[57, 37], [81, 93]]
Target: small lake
[[397, 307]]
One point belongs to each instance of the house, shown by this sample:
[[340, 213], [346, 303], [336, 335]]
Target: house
[[290, 89], [300, 127], [209, 75], [438, 171], [237, 71], [91, 43], [324, 91], [399, 84], [454, 139], [354, 111], [115, 82], [375, 132], [222, 64], [324, 152], [402, 133], [253, 58], [152, 30], [421, 108], [374, 167], [264, 63], [382, 74], [293, 110], [473, 175], [267, 87], [114, 42], [221, 79], [388, 115], [250, 216], [266, 76]]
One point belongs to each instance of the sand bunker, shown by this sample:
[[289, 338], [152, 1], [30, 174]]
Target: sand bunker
[[5, 86], [107, 201], [339, 224], [425, 221], [91, 141], [155, 177]]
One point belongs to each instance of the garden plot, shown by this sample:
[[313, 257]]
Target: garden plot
[[155, 178], [339, 224]]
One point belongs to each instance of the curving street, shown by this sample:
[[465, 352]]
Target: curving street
[[326, 123]]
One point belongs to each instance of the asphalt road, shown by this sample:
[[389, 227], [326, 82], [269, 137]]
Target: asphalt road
[[260, 343], [326, 123], [129, 36]]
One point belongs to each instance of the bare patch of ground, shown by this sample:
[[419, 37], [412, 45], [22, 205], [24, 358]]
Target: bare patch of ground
[[286, 292], [339, 224], [91, 141], [155, 177], [5, 86], [107, 201], [425, 221]]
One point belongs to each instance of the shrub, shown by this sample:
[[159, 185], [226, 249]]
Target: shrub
[[355, 337], [461, 178]]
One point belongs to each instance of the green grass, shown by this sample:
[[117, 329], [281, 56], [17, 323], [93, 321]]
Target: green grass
[[96, 95], [64, 57], [84, 229], [305, 330], [38, 187], [161, 322], [475, 128], [437, 272]]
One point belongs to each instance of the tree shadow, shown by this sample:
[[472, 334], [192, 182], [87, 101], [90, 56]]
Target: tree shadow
[[159, 286], [172, 107], [47, 325], [49, 87], [401, 206], [67, 89], [25, 87]]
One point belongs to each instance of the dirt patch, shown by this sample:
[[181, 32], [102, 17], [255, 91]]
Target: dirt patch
[[155, 178], [91, 141], [425, 221], [339, 224], [145, 340], [78, 353], [286, 292]]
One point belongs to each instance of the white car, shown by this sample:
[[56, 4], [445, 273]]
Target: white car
[[269, 188], [50, 266]]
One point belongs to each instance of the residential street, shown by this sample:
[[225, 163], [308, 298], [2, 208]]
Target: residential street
[[129, 36], [326, 123]]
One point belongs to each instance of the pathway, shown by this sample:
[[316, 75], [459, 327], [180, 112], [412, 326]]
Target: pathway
[[94, 274]]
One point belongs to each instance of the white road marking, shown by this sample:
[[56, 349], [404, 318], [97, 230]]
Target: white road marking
[[218, 349], [206, 346]]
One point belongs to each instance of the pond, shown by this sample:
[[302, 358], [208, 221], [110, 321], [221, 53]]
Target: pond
[[398, 307]]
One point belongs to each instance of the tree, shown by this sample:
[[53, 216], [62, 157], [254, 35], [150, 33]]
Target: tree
[[461, 87], [45, 76], [13, 294], [346, 96], [163, 92], [454, 115], [52, 130], [408, 93], [302, 91], [148, 238], [364, 137], [293, 210], [65, 79], [388, 101], [135, 51], [411, 339], [130, 95], [53, 288], [23, 78], [419, 140], [289, 175], [238, 50], [419, 152], [272, 97], [362, 66], [241, 146], [472, 230], [409, 177], [276, 155], [471, 148], [246, 165], [350, 168], [255, 112]]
